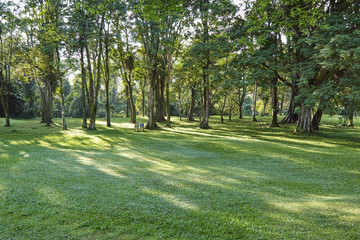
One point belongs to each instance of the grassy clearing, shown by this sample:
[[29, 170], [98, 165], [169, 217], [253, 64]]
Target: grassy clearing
[[238, 180]]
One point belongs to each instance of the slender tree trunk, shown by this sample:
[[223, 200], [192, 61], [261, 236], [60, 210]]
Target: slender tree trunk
[[222, 110], [143, 102], [232, 106], [83, 84], [190, 116], [130, 66], [304, 123], [179, 99], [64, 126], [62, 105], [274, 103], [91, 99], [317, 119], [207, 101], [254, 103], [282, 105], [5, 92], [169, 62], [127, 101], [107, 81], [241, 97]]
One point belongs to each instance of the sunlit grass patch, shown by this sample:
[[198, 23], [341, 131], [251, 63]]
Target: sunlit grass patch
[[238, 180]]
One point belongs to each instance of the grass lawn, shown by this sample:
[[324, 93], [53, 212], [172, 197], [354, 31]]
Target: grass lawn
[[238, 180]]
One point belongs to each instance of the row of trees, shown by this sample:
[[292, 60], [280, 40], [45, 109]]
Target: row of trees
[[211, 54]]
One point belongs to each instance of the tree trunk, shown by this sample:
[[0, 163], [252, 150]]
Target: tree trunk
[[254, 103], [351, 118], [62, 105], [190, 116], [131, 99], [274, 103], [83, 84], [179, 100], [96, 85], [143, 102], [107, 80], [127, 101], [222, 110], [241, 101], [282, 105], [5, 92], [169, 62], [207, 101], [160, 117], [316, 120], [291, 116], [304, 123], [151, 124], [231, 109]]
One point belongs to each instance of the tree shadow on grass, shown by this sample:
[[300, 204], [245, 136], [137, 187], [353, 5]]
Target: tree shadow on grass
[[170, 185]]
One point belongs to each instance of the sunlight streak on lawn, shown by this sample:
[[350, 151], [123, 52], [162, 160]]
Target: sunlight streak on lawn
[[101, 167], [172, 199]]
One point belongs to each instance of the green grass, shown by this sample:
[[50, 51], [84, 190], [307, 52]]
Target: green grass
[[238, 180]]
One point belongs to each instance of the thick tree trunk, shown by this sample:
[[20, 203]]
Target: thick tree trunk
[[46, 103], [254, 103], [274, 103], [316, 120], [151, 124], [206, 108], [83, 84], [291, 116], [160, 99], [304, 123], [190, 116], [351, 118]]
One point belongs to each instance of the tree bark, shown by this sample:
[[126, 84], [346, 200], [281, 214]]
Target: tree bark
[[190, 116], [107, 81], [291, 116], [5, 92], [304, 123], [151, 124], [83, 84], [254, 103], [316, 120], [222, 110], [179, 100], [169, 62], [274, 102], [207, 100], [351, 118]]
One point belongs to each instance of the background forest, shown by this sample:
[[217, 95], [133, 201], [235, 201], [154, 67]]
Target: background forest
[[111, 58]]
